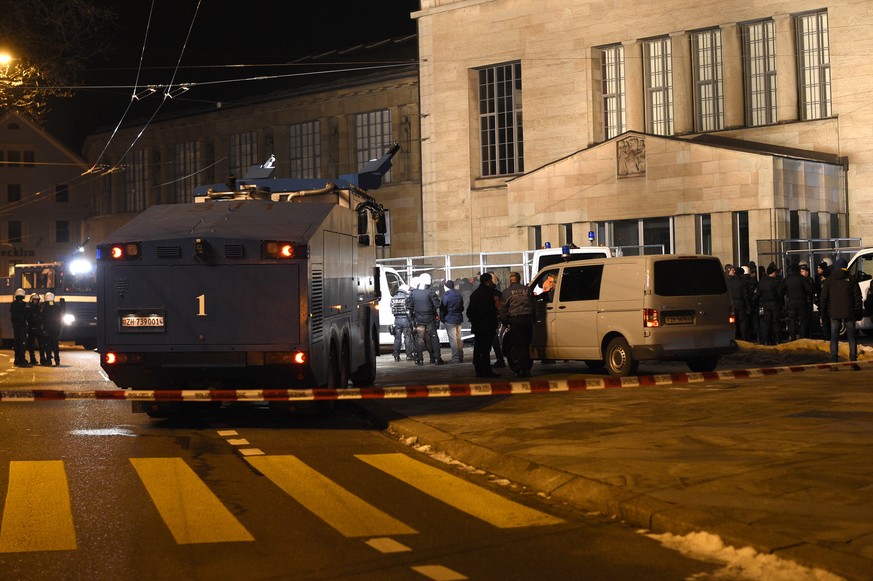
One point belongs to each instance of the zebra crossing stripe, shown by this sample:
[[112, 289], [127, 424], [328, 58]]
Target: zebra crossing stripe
[[190, 510], [342, 510], [37, 515], [459, 493]]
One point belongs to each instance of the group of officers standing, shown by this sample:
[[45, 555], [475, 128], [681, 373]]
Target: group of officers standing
[[36, 327], [761, 300], [418, 311]]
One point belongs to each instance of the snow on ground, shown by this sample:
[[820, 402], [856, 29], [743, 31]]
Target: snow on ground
[[739, 564]]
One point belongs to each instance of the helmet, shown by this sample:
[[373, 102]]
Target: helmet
[[34, 297], [424, 280], [20, 293], [747, 270], [49, 297]]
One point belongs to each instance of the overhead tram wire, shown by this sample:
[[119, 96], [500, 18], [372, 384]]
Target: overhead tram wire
[[167, 92], [133, 96]]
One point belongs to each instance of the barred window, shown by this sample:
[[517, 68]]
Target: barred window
[[187, 159], [613, 90], [243, 152], [814, 66], [305, 149], [658, 73], [500, 120], [759, 72], [708, 85], [372, 137], [137, 181]]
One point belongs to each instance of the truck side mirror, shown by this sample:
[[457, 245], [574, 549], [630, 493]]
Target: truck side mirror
[[383, 230], [363, 229]]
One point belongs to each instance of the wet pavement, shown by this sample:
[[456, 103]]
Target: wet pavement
[[780, 461]]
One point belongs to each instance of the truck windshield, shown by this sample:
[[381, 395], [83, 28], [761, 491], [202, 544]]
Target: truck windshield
[[689, 277]]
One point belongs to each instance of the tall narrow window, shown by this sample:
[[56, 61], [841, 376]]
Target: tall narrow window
[[658, 73], [741, 237], [565, 234], [13, 231], [814, 66], [13, 192], [62, 231], [372, 136], [137, 182], [759, 72], [613, 90], [305, 150], [243, 152], [535, 237], [708, 88], [704, 233], [187, 158], [500, 120]]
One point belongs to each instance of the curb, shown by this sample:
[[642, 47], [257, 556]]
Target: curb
[[636, 509]]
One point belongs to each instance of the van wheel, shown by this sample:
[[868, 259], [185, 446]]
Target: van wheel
[[619, 361], [703, 364]]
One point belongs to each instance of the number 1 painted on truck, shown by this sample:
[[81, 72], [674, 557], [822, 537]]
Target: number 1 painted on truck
[[201, 301]]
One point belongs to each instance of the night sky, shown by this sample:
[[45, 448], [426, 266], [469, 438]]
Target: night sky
[[229, 39]]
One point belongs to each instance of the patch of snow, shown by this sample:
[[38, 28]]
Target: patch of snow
[[739, 564]]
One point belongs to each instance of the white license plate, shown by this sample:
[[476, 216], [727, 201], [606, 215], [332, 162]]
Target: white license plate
[[152, 321], [679, 320]]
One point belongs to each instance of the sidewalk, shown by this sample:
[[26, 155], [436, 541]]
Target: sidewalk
[[780, 463]]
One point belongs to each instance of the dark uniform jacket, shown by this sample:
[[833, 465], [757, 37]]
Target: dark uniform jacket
[[482, 310], [771, 292], [423, 306], [516, 301], [740, 294], [799, 289], [841, 296]]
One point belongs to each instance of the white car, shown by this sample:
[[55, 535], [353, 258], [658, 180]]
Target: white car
[[861, 267]]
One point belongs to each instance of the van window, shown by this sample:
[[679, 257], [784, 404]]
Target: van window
[[684, 277], [581, 283], [558, 258]]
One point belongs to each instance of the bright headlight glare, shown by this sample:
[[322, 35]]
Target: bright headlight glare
[[69, 318], [80, 266]]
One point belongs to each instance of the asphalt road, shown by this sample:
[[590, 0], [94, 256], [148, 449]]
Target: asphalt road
[[92, 491]]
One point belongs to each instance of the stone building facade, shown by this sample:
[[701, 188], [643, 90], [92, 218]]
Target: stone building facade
[[43, 202], [703, 127], [321, 127]]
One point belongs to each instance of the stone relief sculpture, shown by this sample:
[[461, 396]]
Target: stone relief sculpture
[[631, 156]]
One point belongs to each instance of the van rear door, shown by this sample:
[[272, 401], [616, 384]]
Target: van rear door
[[692, 298]]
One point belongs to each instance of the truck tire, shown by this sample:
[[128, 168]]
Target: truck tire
[[366, 373], [619, 360]]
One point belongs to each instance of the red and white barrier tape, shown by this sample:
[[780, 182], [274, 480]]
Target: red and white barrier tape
[[416, 391]]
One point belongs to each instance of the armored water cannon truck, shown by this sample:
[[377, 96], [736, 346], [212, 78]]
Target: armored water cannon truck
[[261, 283]]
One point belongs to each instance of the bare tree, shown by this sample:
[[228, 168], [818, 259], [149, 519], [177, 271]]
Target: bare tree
[[51, 42]]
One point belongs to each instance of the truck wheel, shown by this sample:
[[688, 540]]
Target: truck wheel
[[703, 364], [366, 373], [619, 361]]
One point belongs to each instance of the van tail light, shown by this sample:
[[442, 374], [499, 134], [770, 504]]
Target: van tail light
[[732, 316], [651, 318]]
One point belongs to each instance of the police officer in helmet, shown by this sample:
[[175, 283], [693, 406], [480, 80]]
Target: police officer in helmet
[[18, 312], [402, 335]]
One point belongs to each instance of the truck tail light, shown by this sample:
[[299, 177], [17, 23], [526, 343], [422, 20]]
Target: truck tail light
[[282, 250], [732, 316], [651, 318], [120, 251], [112, 358]]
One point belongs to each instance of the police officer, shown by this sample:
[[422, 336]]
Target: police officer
[[52, 314], [402, 336], [422, 306], [35, 340], [741, 299], [18, 312], [798, 301], [482, 314], [517, 310], [772, 297]]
